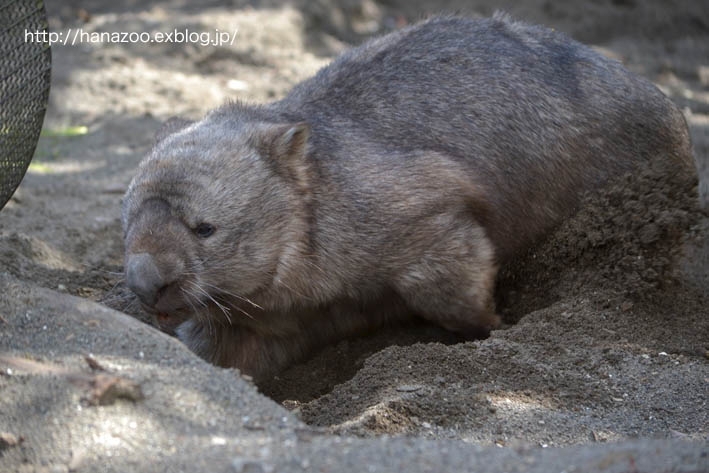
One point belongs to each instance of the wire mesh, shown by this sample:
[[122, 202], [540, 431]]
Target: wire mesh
[[25, 64]]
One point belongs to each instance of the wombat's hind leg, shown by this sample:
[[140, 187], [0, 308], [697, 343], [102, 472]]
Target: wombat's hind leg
[[452, 283]]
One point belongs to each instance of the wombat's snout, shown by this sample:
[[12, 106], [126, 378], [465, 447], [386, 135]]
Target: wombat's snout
[[143, 278]]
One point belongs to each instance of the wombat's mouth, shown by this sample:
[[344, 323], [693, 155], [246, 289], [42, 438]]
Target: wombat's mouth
[[163, 312], [167, 321], [166, 314]]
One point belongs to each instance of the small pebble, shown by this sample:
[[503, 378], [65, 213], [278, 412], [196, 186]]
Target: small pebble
[[239, 85], [7, 440], [241, 465]]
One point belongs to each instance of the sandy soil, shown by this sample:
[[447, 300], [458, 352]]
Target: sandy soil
[[607, 334]]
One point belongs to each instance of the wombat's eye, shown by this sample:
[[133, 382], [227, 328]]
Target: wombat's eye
[[204, 230]]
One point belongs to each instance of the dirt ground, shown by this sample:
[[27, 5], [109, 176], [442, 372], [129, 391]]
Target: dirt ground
[[607, 322]]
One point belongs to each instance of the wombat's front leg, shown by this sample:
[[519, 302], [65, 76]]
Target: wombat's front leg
[[195, 334], [256, 355], [452, 282]]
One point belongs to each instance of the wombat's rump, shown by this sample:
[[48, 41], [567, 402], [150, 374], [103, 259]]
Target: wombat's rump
[[394, 182]]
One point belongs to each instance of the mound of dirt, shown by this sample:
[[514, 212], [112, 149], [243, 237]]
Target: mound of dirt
[[627, 239], [609, 339]]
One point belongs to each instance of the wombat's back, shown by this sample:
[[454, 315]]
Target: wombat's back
[[536, 117]]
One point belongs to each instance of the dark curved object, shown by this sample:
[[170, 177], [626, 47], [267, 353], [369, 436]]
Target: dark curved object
[[25, 66]]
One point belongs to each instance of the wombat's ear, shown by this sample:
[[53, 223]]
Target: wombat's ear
[[285, 146], [171, 126], [289, 141]]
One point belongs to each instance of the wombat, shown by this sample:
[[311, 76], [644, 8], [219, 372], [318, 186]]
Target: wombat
[[392, 184]]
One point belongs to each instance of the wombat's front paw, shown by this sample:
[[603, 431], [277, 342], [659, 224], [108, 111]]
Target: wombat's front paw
[[487, 323], [195, 335]]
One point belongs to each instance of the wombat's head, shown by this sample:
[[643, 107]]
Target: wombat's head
[[212, 213]]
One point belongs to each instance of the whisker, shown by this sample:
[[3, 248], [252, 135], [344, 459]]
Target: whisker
[[224, 309], [244, 312], [245, 299], [221, 306], [194, 309], [192, 295]]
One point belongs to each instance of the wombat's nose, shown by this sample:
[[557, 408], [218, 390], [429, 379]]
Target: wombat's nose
[[143, 277]]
